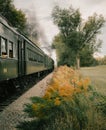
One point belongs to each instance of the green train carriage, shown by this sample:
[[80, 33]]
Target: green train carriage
[[8, 52], [19, 56]]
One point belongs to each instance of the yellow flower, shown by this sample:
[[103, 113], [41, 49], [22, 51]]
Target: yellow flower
[[57, 101], [47, 95], [79, 83], [50, 89], [86, 83], [77, 90], [35, 106], [66, 91], [65, 83]]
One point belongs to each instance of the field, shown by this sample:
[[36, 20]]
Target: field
[[97, 76]]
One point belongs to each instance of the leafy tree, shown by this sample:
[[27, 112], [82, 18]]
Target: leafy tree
[[86, 55], [75, 33], [15, 17], [5, 6], [86, 58], [64, 54]]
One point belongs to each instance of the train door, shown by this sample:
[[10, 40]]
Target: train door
[[21, 58]]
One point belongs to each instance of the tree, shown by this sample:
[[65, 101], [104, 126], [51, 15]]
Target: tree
[[76, 34], [15, 17], [86, 58], [64, 54], [25, 22], [101, 60]]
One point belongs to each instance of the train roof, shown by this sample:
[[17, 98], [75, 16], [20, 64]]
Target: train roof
[[31, 42], [5, 22]]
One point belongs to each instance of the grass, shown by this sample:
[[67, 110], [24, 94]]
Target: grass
[[97, 112], [97, 76]]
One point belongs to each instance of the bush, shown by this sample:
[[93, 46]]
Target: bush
[[64, 105]]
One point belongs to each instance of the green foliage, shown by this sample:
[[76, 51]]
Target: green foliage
[[40, 108], [66, 20], [92, 27], [65, 55], [63, 106], [15, 17], [68, 115], [86, 58], [102, 61], [97, 110], [101, 105], [75, 34]]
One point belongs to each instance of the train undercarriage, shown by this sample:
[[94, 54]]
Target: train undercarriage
[[12, 86]]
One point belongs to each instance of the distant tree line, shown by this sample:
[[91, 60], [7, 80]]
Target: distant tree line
[[101, 60], [77, 40]]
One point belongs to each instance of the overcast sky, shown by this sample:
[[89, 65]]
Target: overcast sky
[[43, 8]]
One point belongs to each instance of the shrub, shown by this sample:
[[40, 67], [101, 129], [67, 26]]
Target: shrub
[[63, 106]]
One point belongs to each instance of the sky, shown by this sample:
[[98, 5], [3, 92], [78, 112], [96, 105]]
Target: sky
[[42, 10]]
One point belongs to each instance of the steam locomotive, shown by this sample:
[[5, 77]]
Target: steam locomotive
[[19, 58]]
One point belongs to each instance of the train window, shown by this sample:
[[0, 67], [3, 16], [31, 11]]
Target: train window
[[3, 47], [10, 49], [36, 56], [40, 59]]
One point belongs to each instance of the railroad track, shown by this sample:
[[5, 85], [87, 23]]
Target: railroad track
[[11, 98], [5, 102]]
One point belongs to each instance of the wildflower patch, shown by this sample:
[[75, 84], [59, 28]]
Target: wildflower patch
[[64, 103]]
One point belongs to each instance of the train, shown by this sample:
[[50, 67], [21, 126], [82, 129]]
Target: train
[[19, 58]]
